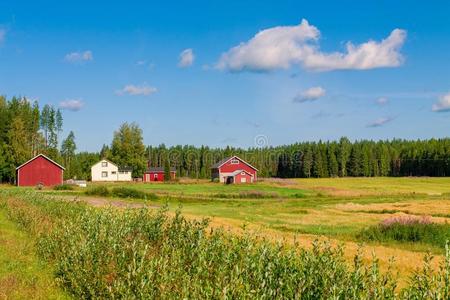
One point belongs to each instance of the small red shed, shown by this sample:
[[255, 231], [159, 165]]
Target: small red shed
[[157, 174], [234, 170], [40, 170]]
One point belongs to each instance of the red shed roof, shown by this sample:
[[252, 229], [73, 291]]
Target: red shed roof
[[50, 160], [240, 171]]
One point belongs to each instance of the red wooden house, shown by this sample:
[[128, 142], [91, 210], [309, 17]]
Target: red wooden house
[[157, 174], [234, 170], [40, 170]]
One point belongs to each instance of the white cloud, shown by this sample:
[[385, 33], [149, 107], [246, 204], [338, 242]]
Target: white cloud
[[136, 90], [382, 100], [310, 94], [380, 122], [71, 104], [283, 46], [443, 104], [2, 35], [77, 57], [186, 58]]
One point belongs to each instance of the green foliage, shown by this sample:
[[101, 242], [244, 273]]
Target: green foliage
[[143, 254], [167, 176], [415, 232], [247, 195], [20, 135], [68, 148], [120, 192], [128, 149], [124, 192], [98, 190], [63, 187]]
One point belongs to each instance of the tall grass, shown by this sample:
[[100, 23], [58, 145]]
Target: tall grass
[[408, 229], [120, 192], [135, 254]]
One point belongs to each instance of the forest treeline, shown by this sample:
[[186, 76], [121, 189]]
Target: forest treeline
[[319, 159], [26, 130]]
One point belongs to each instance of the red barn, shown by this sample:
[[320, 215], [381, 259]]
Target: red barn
[[233, 170], [40, 170], [157, 174]]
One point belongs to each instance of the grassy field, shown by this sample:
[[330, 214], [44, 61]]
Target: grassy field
[[22, 274], [301, 210], [338, 207]]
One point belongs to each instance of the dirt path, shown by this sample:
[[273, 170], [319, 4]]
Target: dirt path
[[405, 261]]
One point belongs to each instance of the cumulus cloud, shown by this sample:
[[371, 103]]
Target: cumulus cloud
[[380, 122], [186, 58], [78, 57], [283, 46], [310, 94], [71, 104], [2, 35], [443, 104], [136, 90], [382, 100]]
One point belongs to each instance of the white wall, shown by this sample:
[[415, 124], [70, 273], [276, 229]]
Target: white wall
[[110, 170], [124, 176]]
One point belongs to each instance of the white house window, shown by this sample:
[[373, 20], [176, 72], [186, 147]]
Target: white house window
[[235, 161], [104, 174], [104, 164], [113, 172]]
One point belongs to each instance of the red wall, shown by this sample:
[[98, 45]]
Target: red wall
[[228, 167], [149, 176], [39, 170], [237, 178]]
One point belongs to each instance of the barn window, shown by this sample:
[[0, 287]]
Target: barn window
[[104, 174], [242, 173], [104, 164], [235, 161]]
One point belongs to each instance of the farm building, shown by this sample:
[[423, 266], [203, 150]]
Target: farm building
[[105, 170], [157, 174], [40, 170], [233, 170]]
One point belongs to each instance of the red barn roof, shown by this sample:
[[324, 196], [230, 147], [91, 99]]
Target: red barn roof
[[39, 155], [225, 160]]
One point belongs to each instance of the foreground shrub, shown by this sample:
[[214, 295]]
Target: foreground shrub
[[98, 190], [408, 229], [124, 192], [247, 195], [63, 187], [139, 254]]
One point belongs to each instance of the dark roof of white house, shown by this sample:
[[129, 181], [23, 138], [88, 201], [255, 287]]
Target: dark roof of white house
[[160, 169]]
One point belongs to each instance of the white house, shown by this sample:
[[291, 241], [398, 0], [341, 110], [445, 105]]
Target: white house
[[105, 170]]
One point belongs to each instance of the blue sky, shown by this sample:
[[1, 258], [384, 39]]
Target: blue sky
[[234, 73]]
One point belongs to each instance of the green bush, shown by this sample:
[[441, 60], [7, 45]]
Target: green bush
[[63, 187], [124, 192], [407, 229], [247, 195], [98, 190]]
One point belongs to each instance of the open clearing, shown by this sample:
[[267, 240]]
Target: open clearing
[[300, 210], [303, 209]]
